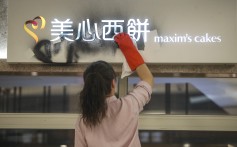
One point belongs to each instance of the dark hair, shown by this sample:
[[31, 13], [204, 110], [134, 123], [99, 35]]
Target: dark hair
[[98, 79]]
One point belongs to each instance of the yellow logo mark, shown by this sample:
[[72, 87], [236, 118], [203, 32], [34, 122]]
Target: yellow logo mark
[[34, 25]]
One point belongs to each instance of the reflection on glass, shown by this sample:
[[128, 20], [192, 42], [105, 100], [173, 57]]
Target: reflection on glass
[[187, 139], [36, 138], [65, 138], [41, 98], [194, 96], [40, 94]]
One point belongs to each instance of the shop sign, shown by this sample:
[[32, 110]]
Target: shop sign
[[165, 31]]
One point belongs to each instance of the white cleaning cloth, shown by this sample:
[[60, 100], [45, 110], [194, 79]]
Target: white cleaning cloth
[[126, 71]]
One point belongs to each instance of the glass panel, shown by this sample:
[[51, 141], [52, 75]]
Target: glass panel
[[65, 138], [37, 138], [187, 139], [157, 102], [37, 94], [195, 96]]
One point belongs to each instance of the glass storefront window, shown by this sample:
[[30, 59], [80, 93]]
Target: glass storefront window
[[37, 138], [187, 139], [174, 96], [40, 94], [178, 96], [65, 138], [194, 96]]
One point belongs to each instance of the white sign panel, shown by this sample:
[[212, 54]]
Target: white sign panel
[[166, 31]]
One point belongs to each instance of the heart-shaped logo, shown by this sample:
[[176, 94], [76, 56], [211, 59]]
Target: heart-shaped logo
[[34, 25]]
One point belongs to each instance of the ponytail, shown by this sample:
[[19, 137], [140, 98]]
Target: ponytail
[[97, 85]]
